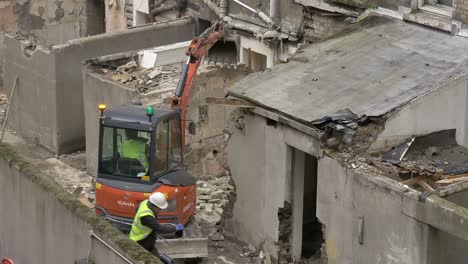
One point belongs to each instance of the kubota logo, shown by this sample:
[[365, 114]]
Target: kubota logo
[[129, 204]]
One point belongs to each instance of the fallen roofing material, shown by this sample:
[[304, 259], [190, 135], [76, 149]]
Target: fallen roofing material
[[371, 68], [432, 161]]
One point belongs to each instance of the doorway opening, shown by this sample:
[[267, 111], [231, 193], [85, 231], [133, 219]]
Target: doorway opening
[[307, 235], [254, 61], [312, 236]]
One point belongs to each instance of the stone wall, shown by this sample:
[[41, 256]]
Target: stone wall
[[43, 223], [461, 11]]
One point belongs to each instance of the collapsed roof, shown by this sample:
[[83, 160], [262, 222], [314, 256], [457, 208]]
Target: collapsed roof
[[369, 69]]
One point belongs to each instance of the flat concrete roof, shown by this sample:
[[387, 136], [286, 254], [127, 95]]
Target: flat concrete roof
[[370, 68]]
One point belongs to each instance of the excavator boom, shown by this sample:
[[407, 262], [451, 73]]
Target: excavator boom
[[198, 48]]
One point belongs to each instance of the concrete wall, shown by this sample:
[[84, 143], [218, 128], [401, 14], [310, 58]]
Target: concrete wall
[[43, 223], [55, 22], [461, 11], [63, 107], [390, 235], [98, 90], [442, 109], [115, 16], [33, 111], [260, 161], [48, 23], [397, 228]]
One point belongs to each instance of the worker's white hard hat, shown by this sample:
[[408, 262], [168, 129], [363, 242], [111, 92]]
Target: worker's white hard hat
[[159, 200]]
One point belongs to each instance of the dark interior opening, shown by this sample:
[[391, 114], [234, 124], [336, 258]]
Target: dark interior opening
[[96, 17], [224, 52], [312, 236], [201, 25]]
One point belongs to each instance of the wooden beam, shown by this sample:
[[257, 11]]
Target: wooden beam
[[10, 100], [452, 180], [85, 201], [229, 102], [412, 180], [425, 185]]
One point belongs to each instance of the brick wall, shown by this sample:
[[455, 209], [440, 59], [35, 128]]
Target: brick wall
[[461, 11]]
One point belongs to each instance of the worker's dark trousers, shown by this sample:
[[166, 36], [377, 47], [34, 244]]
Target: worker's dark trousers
[[164, 258]]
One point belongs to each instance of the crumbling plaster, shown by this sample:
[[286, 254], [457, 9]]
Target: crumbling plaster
[[115, 15], [259, 156]]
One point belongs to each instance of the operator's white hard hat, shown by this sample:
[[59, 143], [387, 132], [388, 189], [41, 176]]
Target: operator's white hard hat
[[159, 200]]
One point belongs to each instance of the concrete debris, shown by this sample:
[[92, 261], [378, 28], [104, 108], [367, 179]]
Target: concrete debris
[[3, 99], [213, 198], [154, 86], [216, 237], [73, 180], [249, 251], [396, 154], [285, 229], [225, 260]]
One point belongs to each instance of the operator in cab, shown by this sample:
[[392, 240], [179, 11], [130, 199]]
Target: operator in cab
[[145, 226], [135, 147]]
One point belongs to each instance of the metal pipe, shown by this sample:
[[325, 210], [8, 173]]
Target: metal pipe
[[223, 8], [92, 234], [246, 6], [212, 6], [274, 10], [259, 12]]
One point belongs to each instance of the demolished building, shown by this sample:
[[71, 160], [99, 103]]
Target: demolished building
[[305, 153], [54, 76], [315, 122]]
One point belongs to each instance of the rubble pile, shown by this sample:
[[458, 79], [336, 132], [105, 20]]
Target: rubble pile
[[154, 85], [214, 197]]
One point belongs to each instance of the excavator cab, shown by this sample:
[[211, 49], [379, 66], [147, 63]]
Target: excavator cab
[[140, 152]]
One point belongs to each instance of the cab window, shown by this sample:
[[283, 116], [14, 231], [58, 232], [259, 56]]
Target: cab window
[[175, 148], [161, 149], [124, 152]]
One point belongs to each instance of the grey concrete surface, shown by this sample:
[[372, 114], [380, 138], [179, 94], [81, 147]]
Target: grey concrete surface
[[260, 161], [42, 223], [390, 235], [443, 109], [372, 68], [49, 108], [96, 90]]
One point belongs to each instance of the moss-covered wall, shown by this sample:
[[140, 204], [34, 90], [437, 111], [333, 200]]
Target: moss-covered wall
[[40, 222]]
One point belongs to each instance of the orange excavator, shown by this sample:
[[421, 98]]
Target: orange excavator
[[124, 181]]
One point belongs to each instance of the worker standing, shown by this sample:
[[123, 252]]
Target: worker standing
[[146, 227]]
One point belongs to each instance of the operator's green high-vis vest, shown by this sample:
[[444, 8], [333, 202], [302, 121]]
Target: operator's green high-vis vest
[[139, 231], [135, 149]]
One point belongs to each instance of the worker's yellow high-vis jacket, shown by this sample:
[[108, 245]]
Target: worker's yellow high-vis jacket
[[134, 149], [139, 231]]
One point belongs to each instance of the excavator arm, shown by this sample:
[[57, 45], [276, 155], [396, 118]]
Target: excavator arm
[[198, 48]]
